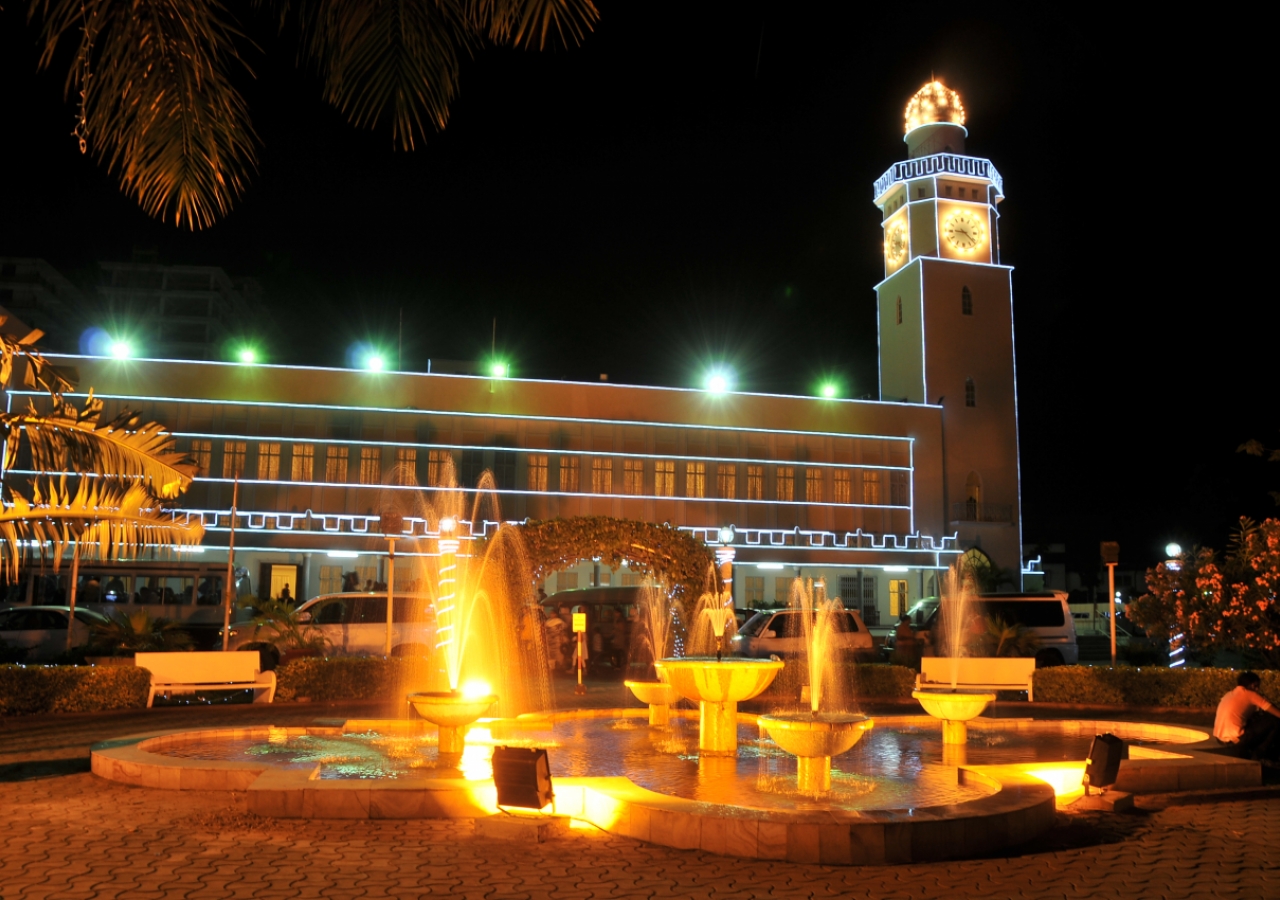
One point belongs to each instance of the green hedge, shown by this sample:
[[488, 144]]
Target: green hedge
[[26, 690], [1154, 686], [322, 679], [873, 681]]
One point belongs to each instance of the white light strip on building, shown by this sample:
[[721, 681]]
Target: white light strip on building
[[737, 429]]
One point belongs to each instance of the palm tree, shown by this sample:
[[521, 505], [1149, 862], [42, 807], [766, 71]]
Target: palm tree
[[154, 80], [100, 488]]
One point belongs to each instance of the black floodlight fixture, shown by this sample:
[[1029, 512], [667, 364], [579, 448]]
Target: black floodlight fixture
[[522, 776]]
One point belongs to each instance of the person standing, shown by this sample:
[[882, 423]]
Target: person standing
[[1248, 722]]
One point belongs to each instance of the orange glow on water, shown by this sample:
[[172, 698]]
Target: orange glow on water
[[1065, 778]]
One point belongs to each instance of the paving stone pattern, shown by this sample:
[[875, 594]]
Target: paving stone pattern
[[66, 835]]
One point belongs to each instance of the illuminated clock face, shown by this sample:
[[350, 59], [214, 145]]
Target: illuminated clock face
[[964, 231], [895, 242]]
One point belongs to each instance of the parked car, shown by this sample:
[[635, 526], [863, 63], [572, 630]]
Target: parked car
[[42, 630], [1045, 615], [918, 615], [354, 624], [780, 632]]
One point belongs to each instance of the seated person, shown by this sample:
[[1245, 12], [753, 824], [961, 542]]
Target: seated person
[[1247, 721]]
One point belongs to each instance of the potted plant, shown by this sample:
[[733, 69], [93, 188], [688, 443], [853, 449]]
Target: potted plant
[[278, 626], [126, 633]]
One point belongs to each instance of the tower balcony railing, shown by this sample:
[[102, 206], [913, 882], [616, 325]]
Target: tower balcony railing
[[939, 164], [973, 511]]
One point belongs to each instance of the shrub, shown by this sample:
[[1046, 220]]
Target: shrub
[[344, 677], [1141, 687], [27, 690], [878, 681]]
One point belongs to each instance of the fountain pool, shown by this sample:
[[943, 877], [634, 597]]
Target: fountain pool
[[898, 795]]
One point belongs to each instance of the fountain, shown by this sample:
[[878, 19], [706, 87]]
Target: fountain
[[479, 586], [816, 735], [716, 684], [651, 642], [955, 706]]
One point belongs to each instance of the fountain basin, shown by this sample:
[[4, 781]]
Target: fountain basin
[[452, 712], [813, 738], [954, 707], [659, 695], [717, 686]]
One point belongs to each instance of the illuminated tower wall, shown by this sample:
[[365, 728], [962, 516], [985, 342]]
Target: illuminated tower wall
[[945, 311]]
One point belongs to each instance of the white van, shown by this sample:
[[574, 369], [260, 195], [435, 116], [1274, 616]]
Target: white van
[[1045, 615], [356, 625]]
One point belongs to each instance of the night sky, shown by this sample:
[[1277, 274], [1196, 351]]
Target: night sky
[[694, 184]]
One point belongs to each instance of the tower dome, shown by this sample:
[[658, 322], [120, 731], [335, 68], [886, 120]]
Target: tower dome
[[934, 120]]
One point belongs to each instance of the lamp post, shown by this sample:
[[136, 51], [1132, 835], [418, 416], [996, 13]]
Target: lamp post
[[1111, 556], [724, 556]]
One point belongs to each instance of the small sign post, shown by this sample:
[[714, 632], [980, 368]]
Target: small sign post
[[580, 649]]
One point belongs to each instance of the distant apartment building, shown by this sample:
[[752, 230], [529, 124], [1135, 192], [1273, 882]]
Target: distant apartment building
[[42, 297], [175, 312]]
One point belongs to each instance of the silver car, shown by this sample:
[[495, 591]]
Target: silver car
[[356, 624], [42, 630], [781, 633]]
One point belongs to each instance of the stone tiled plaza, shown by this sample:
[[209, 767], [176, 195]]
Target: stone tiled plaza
[[68, 834]]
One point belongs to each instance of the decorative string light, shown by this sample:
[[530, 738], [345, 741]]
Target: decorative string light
[[935, 102]]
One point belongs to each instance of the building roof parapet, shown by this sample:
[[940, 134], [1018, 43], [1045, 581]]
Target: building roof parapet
[[939, 164]]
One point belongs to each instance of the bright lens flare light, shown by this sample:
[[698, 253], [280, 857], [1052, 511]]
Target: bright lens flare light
[[828, 390], [498, 370], [476, 688], [247, 355], [719, 382], [121, 349], [375, 363]]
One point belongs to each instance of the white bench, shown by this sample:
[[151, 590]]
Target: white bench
[[184, 672], [1000, 673]]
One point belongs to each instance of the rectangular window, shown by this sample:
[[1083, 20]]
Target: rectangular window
[[899, 598], [335, 465], [436, 466], [843, 482], [664, 478], [601, 476], [202, 453], [695, 479], [232, 459], [870, 611], [569, 474], [754, 590], [269, 461], [755, 482], [727, 481], [632, 477], [407, 465], [786, 487], [330, 579], [371, 465], [632, 579], [898, 493], [813, 485], [566, 581], [849, 591], [537, 471], [782, 590], [870, 487], [303, 465]]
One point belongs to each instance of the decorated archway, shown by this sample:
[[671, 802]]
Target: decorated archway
[[673, 557]]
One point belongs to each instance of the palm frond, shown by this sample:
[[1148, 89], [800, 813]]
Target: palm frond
[[528, 23], [383, 59], [71, 438], [156, 99], [19, 356], [104, 519]]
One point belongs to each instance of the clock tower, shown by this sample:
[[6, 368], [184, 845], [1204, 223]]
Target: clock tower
[[945, 310]]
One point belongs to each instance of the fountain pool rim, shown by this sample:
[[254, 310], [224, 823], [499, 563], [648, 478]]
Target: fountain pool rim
[[1021, 808]]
